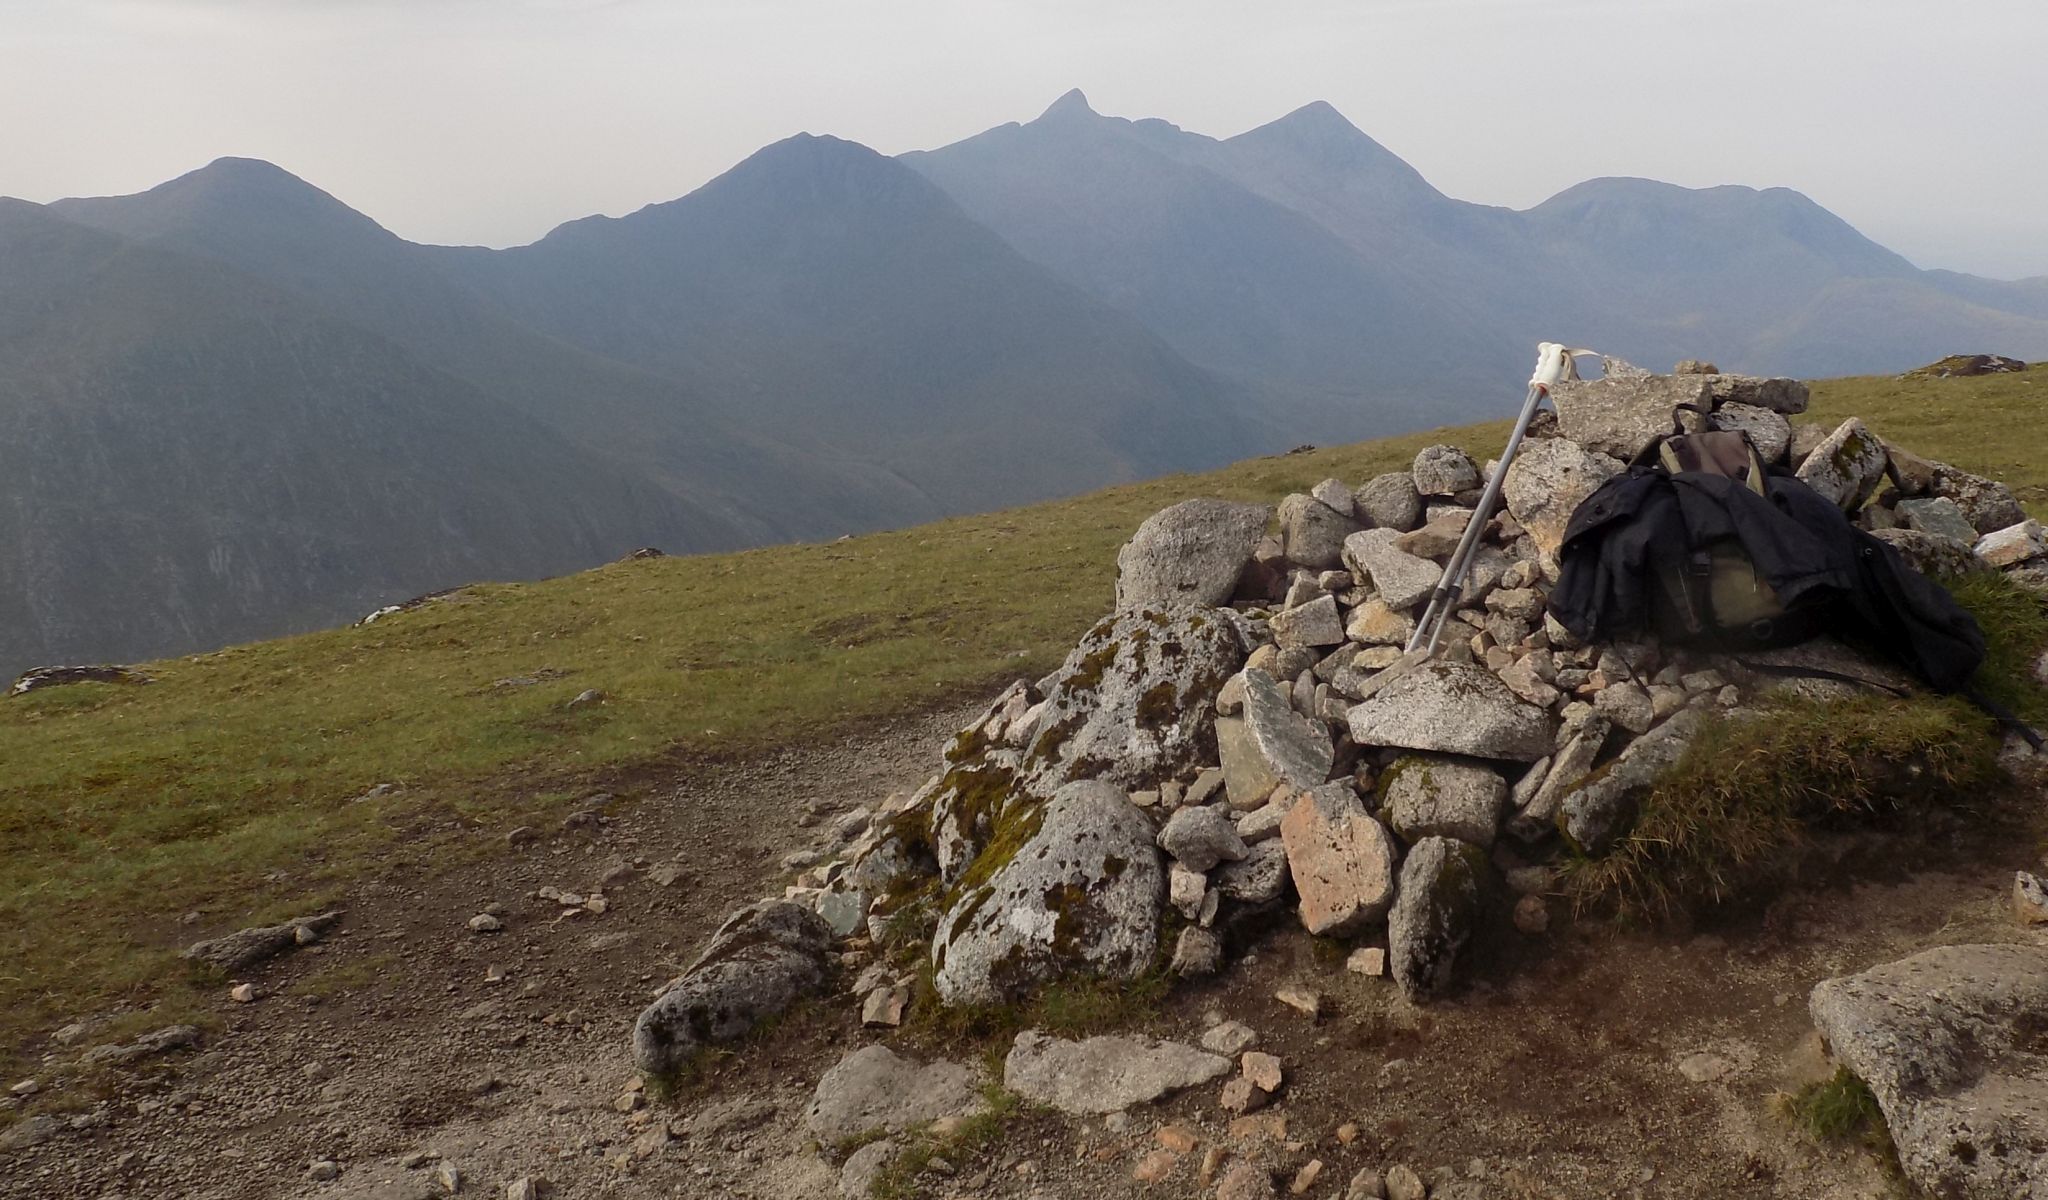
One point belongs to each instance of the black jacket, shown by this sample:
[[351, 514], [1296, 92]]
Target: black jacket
[[1800, 543]]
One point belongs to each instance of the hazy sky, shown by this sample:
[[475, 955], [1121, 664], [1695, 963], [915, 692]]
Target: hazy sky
[[1924, 124]]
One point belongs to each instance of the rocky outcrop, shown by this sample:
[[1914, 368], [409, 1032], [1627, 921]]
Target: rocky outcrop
[[764, 958], [1950, 1042], [38, 678], [1073, 888], [1133, 703], [1453, 708]]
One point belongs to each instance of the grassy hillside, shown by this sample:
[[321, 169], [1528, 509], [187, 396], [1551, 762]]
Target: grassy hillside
[[228, 785]]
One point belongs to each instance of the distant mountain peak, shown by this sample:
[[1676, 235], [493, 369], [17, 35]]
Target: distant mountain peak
[[1073, 104], [1319, 116]]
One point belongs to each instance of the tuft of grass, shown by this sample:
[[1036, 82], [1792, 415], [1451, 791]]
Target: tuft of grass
[[1734, 818], [1841, 1109], [1070, 1007], [904, 1177]]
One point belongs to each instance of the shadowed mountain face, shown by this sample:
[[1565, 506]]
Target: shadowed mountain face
[[837, 297], [238, 407], [193, 456]]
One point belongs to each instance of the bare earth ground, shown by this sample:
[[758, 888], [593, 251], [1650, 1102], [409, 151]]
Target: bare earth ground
[[1558, 1075]]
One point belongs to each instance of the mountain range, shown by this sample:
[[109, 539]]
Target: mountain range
[[236, 407]]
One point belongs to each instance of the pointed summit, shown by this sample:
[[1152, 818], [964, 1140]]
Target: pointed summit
[[1073, 104]]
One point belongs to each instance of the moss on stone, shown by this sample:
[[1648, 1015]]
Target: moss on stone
[[1158, 706]]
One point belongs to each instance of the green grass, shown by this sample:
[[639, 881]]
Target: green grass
[[1994, 425], [1841, 1108], [225, 787]]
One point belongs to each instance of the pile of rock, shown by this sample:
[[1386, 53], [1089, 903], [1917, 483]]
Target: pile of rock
[[1230, 743]]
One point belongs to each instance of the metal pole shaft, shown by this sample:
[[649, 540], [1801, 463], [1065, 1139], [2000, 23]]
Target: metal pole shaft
[[1445, 597]]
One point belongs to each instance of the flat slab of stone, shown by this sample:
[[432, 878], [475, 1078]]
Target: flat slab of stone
[[1951, 1043], [2015, 545], [1104, 1074], [1270, 744], [1191, 553], [1620, 417], [1403, 580], [876, 1088], [1938, 516], [1453, 708]]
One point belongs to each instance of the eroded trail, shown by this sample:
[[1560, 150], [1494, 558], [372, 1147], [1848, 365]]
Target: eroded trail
[[1583, 1063]]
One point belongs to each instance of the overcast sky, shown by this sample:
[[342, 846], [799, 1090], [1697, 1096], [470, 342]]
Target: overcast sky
[[1925, 124]]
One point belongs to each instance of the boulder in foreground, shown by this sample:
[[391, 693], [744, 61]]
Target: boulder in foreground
[[1079, 892], [1951, 1042], [760, 961]]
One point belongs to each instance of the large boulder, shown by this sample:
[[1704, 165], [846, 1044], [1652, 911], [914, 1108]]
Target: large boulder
[[1937, 515], [1548, 481], [1104, 1074], [1598, 812], [1443, 886], [1134, 703], [1191, 553], [1769, 432], [1444, 471], [875, 1088], [1270, 744], [1072, 887], [1786, 396], [760, 961], [1435, 795], [1453, 708], [1847, 466], [1341, 859], [2016, 545], [1950, 1042], [1620, 417], [1312, 533], [1932, 554], [1989, 505], [1389, 501]]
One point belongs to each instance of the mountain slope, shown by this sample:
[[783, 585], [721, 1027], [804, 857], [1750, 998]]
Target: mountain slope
[[831, 294], [264, 221], [1182, 230], [193, 457], [1235, 282]]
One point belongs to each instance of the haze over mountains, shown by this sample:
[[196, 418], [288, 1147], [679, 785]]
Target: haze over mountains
[[236, 407]]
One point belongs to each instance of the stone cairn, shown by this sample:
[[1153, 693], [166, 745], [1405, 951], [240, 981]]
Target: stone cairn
[[1222, 747]]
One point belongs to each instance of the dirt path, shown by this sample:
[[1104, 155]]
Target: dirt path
[[1587, 1064]]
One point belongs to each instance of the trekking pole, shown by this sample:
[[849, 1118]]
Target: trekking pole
[[1553, 365]]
